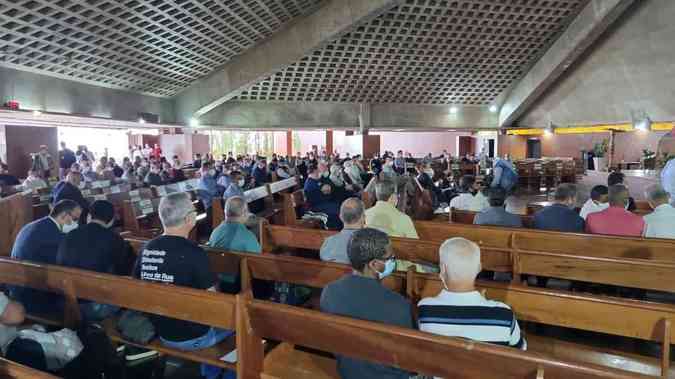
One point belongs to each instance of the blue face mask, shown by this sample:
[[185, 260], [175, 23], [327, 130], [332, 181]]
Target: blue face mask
[[389, 267]]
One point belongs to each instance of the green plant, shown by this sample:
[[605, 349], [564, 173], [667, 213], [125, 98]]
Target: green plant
[[648, 153], [600, 148]]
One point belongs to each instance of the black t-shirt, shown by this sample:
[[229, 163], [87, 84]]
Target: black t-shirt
[[95, 248], [178, 261]]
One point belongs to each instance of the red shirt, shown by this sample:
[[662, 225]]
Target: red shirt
[[157, 152], [615, 221]]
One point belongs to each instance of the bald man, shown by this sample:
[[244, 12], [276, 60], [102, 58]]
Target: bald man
[[460, 310], [334, 248]]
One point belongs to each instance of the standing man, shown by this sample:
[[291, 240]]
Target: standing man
[[505, 175], [361, 295], [66, 160]]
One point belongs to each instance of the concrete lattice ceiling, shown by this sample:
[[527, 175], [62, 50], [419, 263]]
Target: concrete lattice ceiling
[[156, 47], [464, 52]]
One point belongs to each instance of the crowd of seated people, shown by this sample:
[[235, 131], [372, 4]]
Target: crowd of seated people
[[333, 186]]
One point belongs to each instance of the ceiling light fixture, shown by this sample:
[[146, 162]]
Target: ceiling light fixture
[[194, 123], [141, 120], [493, 108], [454, 110]]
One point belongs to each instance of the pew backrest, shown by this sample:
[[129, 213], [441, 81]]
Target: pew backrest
[[409, 349], [13, 370]]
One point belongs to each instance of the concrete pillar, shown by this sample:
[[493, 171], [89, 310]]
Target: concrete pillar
[[610, 162], [289, 143], [329, 142]]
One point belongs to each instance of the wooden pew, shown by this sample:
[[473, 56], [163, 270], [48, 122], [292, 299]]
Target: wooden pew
[[546, 241], [590, 313], [12, 370], [408, 349], [617, 271], [458, 216], [141, 218], [641, 320], [274, 210], [165, 300]]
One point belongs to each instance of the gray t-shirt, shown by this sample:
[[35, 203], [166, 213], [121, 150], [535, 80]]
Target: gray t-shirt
[[334, 248], [366, 299]]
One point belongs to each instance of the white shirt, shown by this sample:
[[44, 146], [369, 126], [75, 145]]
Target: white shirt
[[592, 207], [469, 202], [661, 223], [34, 183]]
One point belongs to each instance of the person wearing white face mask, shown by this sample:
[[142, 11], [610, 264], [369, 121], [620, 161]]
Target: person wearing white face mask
[[39, 242], [448, 313], [361, 295], [235, 188]]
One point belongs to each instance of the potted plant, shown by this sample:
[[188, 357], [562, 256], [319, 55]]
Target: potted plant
[[648, 160], [600, 152]]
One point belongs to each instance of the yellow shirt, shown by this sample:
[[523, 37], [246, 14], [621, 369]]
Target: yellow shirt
[[385, 217]]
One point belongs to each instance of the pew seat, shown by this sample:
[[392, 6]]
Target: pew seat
[[13, 370], [287, 361], [209, 356]]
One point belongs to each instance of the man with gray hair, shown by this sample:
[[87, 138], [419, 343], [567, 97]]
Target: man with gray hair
[[334, 248], [460, 310], [616, 220], [361, 295], [660, 223], [232, 233], [173, 259], [386, 217]]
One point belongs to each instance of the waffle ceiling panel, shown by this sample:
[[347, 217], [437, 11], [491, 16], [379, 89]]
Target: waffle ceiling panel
[[157, 47], [427, 52]]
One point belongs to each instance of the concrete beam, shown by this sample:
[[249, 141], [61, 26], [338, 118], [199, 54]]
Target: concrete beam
[[314, 31], [586, 28], [323, 115]]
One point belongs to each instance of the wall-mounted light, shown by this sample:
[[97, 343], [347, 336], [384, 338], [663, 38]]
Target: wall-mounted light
[[454, 110], [493, 108], [641, 121], [194, 123], [141, 120], [550, 129]]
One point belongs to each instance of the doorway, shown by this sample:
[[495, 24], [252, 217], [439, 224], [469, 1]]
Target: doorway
[[534, 148]]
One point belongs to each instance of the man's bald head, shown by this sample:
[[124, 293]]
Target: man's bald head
[[618, 195], [351, 212]]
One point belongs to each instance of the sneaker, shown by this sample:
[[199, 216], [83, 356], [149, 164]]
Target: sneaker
[[133, 353]]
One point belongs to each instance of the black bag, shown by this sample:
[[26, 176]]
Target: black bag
[[97, 360], [136, 327]]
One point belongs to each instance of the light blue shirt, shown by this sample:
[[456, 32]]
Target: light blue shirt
[[234, 237]]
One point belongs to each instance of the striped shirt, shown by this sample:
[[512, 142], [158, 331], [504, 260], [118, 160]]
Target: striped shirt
[[470, 315]]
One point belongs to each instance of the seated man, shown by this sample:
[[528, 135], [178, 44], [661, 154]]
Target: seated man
[[96, 247], [597, 202], [173, 259], [459, 310], [561, 216], [471, 199], [616, 220], [153, 177], [34, 181], [39, 242], [69, 189], [6, 179], [232, 233], [497, 215], [334, 248], [386, 217], [618, 178], [660, 223], [320, 199], [361, 295]]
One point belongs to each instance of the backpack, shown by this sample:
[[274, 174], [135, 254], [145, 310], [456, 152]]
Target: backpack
[[98, 360]]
